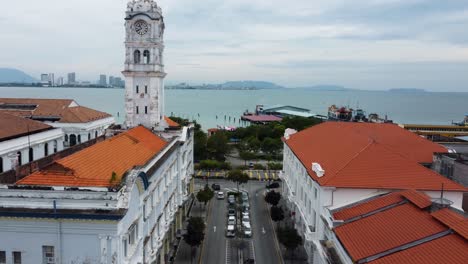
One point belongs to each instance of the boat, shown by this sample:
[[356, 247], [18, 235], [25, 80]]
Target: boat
[[339, 113]]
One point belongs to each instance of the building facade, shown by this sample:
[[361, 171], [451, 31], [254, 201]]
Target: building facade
[[326, 168], [71, 78], [144, 68]]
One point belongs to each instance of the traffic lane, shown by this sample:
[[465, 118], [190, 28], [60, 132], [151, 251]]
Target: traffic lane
[[215, 238], [263, 235]]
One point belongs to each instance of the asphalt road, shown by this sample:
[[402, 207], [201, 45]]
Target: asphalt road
[[221, 250]]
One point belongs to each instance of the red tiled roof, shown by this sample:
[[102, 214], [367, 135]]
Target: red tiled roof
[[454, 221], [401, 232], [419, 199], [65, 109], [94, 166], [261, 118], [171, 123], [366, 155], [451, 249], [386, 230], [12, 126]]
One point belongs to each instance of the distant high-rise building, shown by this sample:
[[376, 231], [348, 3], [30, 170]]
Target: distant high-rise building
[[71, 78], [111, 81], [44, 78], [51, 79], [103, 80], [59, 81], [119, 82]]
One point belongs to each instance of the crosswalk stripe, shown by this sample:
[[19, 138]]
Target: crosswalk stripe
[[217, 174], [266, 175], [199, 173], [258, 175], [250, 174]]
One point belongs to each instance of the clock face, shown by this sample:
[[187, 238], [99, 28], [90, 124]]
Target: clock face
[[141, 27]]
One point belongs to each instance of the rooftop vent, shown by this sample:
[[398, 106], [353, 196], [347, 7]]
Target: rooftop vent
[[288, 132], [318, 169]]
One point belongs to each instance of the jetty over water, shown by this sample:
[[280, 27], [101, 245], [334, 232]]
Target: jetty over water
[[450, 131]]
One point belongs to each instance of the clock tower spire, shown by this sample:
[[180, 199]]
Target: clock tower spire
[[144, 65]]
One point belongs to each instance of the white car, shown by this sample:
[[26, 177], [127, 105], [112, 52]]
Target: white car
[[245, 213], [245, 220], [220, 196], [232, 220], [247, 230], [231, 231]]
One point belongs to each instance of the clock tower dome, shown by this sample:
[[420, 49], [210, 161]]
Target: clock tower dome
[[144, 65]]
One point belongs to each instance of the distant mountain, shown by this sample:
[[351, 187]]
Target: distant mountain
[[250, 85], [8, 75], [407, 90], [325, 87]]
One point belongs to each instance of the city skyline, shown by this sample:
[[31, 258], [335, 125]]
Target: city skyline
[[373, 45]]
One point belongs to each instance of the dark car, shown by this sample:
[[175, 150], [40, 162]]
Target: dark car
[[273, 185], [216, 187]]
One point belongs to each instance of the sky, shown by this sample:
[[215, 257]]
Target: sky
[[361, 44]]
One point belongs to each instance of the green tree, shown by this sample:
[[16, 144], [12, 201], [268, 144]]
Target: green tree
[[195, 232], [205, 195], [217, 146], [276, 213], [290, 238], [246, 156], [273, 198], [199, 145], [253, 144], [238, 177], [271, 146]]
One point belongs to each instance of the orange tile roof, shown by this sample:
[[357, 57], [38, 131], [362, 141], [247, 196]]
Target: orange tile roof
[[419, 199], [171, 122], [387, 230], [61, 108], [13, 126], [453, 220], [93, 166], [451, 249], [396, 231], [365, 155]]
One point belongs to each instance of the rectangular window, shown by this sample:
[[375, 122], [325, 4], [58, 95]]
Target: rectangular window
[[124, 242], [132, 234], [315, 193], [137, 89], [2, 257], [146, 110], [146, 89], [137, 110], [48, 255], [16, 257]]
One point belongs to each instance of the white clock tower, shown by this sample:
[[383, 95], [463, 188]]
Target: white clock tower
[[144, 68]]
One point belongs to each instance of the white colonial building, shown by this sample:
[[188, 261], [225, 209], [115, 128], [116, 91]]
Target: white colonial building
[[121, 200], [336, 164], [144, 67], [23, 141], [78, 123]]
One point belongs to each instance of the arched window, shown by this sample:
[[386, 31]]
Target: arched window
[[95, 134], [89, 136], [136, 56], [31, 154], [20, 160], [55, 146], [46, 149], [146, 57], [79, 139], [1, 164], [66, 138], [72, 140]]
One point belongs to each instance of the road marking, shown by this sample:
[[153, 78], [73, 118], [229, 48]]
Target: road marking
[[252, 250], [208, 174], [218, 174], [199, 173], [263, 230], [214, 229], [258, 175], [228, 252], [250, 174], [266, 175]]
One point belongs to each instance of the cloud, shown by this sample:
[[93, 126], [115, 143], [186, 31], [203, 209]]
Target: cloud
[[298, 42]]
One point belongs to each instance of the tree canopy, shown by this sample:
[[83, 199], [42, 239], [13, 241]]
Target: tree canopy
[[195, 231], [276, 213], [273, 198], [289, 237], [205, 195]]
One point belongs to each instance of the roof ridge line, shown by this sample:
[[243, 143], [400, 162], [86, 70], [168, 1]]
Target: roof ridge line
[[406, 246], [353, 158], [378, 210]]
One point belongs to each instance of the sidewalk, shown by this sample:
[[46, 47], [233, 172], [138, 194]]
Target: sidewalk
[[183, 255]]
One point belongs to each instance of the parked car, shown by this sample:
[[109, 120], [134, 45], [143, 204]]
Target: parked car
[[231, 220], [215, 187], [245, 213], [245, 197], [220, 196], [231, 231], [245, 220], [231, 212], [273, 185], [231, 199], [246, 206], [251, 165], [247, 230]]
